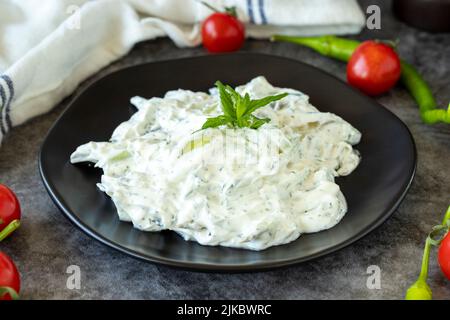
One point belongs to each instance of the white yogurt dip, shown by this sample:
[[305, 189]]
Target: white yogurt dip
[[238, 187]]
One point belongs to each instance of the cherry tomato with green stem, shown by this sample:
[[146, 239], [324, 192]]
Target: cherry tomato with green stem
[[223, 31], [444, 248], [444, 256], [9, 278], [374, 68]]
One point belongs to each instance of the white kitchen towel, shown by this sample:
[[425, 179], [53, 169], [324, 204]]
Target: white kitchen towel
[[47, 47]]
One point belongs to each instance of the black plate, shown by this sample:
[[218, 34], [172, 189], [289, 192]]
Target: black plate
[[373, 191]]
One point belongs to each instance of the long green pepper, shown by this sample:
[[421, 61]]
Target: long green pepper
[[342, 49]]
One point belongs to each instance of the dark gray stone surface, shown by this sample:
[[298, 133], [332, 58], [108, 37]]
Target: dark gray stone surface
[[47, 243]]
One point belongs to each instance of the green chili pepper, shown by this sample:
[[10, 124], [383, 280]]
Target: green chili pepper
[[342, 49], [446, 220], [329, 46], [420, 289]]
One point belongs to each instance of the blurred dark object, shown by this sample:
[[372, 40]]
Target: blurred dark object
[[429, 15]]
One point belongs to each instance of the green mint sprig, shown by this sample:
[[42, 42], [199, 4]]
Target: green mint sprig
[[238, 109]]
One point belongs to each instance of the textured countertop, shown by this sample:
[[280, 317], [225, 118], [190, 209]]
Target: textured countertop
[[47, 243]]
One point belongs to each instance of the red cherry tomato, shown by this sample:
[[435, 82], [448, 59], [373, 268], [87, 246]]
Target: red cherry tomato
[[9, 212], [444, 255], [222, 32], [9, 277], [373, 68]]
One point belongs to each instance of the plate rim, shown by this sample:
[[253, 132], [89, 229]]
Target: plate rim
[[212, 267]]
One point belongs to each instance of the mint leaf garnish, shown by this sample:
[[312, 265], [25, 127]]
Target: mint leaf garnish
[[238, 109]]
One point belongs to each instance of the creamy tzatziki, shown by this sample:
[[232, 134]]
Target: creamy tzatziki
[[235, 187]]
